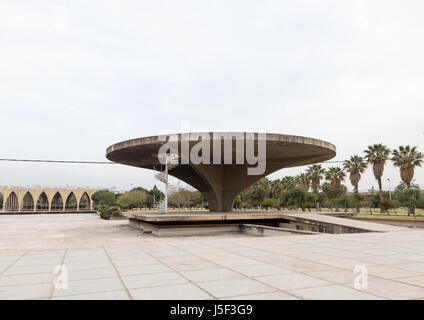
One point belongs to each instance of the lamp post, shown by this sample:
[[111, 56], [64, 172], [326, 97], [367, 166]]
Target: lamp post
[[371, 198], [390, 190]]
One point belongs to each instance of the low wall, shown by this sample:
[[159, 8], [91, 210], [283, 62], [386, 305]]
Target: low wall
[[212, 229], [394, 222]]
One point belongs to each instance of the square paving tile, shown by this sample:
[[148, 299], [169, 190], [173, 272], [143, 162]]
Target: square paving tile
[[261, 270], [210, 274], [293, 280], [30, 269], [234, 287], [338, 276], [393, 290], [305, 266], [110, 295], [333, 292], [30, 291], [237, 262], [416, 281], [381, 260], [388, 272], [151, 280], [411, 266], [279, 259], [143, 269], [94, 273], [37, 262], [133, 262], [89, 286], [186, 291], [6, 260], [346, 263], [27, 279], [277, 295], [178, 258], [192, 265]]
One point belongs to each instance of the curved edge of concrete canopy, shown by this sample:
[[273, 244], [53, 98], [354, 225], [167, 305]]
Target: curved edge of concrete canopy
[[221, 183]]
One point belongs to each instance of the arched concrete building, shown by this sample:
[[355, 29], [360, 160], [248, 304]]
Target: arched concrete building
[[47, 200]]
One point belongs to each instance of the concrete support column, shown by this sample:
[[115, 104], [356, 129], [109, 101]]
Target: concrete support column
[[4, 201]]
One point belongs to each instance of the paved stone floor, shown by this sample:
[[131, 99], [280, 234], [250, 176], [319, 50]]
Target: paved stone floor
[[109, 260]]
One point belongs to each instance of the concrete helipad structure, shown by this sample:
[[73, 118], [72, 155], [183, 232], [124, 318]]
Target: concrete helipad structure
[[106, 259], [220, 183]]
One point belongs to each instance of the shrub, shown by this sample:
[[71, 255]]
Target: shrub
[[114, 211], [103, 198], [412, 198], [104, 212], [269, 203], [345, 202], [132, 199], [298, 198], [387, 204]]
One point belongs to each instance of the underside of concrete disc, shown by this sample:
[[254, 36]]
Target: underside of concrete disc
[[217, 181]]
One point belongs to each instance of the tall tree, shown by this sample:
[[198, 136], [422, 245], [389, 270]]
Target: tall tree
[[335, 176], [276, 188], [407, 159], [303, 181], [182, 198], [287, 183], [132, 199], [103, 198], [315, 174], [355, 166], [377, 155]]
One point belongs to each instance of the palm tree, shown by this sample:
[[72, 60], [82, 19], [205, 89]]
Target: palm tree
[[407, 158], [276, 189], [335, 176], [303, 181], [287, 183], [355, 166], [315, 174], [377, 155]]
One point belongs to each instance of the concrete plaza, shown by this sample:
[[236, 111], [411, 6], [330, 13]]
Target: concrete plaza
[[110, 260]]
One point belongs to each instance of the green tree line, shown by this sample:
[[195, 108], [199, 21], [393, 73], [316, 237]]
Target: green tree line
[[317, 187]]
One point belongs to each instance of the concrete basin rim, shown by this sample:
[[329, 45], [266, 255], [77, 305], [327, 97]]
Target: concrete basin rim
[[136, 142]]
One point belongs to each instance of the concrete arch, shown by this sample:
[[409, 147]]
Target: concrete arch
[[28, 203], [84, 202], [71, 203], [43, 203], [11, 202], [57, 203]]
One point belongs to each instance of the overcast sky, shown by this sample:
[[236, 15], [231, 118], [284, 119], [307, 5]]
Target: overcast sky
[[78, 76]]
